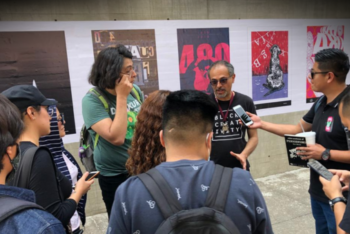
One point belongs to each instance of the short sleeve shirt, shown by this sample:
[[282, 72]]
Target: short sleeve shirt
[[330, 133], [233, 139], [110, 159]]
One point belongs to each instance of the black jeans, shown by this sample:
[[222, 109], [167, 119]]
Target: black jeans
[[109, 185]]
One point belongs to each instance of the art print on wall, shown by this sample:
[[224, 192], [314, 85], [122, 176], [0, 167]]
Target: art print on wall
[[39, 59], [319, 38], [142, 44], [198, 49], [269, 65]]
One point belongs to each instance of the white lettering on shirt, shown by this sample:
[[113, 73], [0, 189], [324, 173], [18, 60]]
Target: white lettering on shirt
[[242, 203], [204, 188], [195, 167], [259, 210]]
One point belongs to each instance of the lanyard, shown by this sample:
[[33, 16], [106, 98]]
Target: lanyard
[[221, 112]]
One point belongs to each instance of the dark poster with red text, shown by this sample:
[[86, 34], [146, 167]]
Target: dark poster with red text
[[198, 49]]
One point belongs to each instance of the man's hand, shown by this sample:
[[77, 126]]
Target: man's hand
[[332, 188], [344, 177], [241, 158], [311, 151], [256, 121]]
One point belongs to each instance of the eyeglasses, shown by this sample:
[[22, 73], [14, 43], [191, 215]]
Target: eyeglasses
[[222, 81], [312, 73], [129, 72], [61, 119]]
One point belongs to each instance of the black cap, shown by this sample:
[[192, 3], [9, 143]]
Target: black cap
[[24, 96]]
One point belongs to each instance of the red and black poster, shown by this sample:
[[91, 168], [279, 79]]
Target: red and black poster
[[39, 59], [198, 49], [142, 45]]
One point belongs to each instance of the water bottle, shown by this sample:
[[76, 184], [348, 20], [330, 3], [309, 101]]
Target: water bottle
[[82, 152]]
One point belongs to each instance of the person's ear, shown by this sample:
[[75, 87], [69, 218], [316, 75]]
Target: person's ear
[[161, 137], [233, 78], [331, 77], [208, 140], [30, 112]]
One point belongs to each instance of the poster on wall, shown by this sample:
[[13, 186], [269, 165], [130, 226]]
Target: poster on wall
[[319, 38], [39, 59], [270, 69], [142, 44], [198, 49]]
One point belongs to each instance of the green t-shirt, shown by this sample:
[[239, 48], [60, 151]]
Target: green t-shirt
[[110, 159]]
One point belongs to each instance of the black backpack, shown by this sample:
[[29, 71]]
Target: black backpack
[[205, 220]]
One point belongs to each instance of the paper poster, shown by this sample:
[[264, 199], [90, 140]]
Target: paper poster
[[319, 38], [39, 59], [198, 49], [142, 44], [269, 66]]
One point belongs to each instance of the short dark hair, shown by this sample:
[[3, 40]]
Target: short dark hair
[[346, 105], [229, 66], [108, 66], [11, 125], [186, 114], [334, 60]]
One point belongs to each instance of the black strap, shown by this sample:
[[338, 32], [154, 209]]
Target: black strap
[[24, 170], [10, 206], [161, 192], [219, 188]]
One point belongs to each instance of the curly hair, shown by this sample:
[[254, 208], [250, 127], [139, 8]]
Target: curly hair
[[146, 150], [108, 66]]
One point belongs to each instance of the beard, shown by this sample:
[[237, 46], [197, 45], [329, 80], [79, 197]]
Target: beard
[[223, 95]]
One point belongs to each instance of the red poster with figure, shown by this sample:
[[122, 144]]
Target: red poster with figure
[[319, 38], [269, 65]]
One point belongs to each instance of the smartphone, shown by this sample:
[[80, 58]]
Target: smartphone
[[242, 115], [92, 174], [320, 169]]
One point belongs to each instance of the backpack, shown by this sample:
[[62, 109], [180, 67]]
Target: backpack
[[208, 219], [86, 143]]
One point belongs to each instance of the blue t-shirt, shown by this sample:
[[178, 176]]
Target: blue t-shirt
[[135, 211]]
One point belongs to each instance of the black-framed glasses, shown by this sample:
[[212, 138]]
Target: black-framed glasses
[[221, 80], [61, 119], [49, 110]]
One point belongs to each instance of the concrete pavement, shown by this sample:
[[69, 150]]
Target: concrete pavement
[[286, 197]]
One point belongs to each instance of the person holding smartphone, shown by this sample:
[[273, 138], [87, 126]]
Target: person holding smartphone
[[53, 191], [113, 74], [328, 76], [230, 149], [65, 163]]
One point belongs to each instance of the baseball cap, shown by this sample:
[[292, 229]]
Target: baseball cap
[[24, 96]]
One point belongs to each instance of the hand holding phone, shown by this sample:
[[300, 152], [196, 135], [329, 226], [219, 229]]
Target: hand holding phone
[[320, 169], [92, 175], [247, 121]]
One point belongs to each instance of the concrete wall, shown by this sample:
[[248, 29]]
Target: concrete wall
[[67, 10], [270, 156]]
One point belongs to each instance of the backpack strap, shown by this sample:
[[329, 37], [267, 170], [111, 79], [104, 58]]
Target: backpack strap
[[100, 95], [135, 94], [318, 103], [22, 176], [161, 192], [10, 206], [219, 188]]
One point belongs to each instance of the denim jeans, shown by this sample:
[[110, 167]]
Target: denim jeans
[[324, 217]]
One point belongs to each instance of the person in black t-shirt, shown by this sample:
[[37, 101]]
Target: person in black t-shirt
[[229, 147], [328, 76], [333, 189]]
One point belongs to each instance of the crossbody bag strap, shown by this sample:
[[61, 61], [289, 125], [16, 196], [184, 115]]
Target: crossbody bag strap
[[22, 177]]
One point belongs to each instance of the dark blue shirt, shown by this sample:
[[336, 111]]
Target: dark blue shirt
[[135, 211], [29, 220]]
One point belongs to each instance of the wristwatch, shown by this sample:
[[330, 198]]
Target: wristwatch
[[326, 154], [335, 200]]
